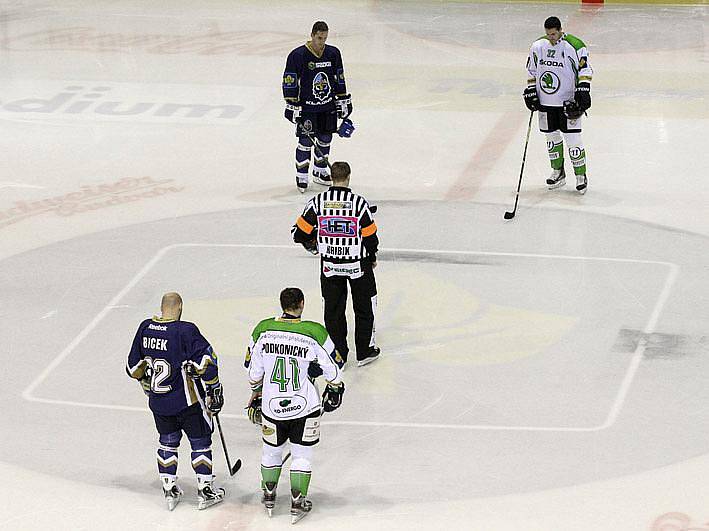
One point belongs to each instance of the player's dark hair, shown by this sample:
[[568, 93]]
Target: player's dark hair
[[552, 22], [320, 25], [340, 171], [291, 298]]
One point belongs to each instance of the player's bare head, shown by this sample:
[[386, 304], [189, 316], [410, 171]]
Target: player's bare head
[[171, 305], [318, 36], [292, 301], [552, 23], [340, 173], [552, 26], [318, 27]]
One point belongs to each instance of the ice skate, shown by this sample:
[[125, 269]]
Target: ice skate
[[581, 183], [372, 355], [172, 497], [321, 176], [557, 179], [269, 498], [208, 496], [299, 507], [301, 183]]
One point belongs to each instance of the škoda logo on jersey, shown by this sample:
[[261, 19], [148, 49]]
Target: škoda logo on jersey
[[337, 226], [549, 82]]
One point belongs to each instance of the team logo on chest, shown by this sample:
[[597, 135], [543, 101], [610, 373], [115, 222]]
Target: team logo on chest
[[321, 86], [549, 82]]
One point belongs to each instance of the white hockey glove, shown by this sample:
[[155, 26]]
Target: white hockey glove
[[292, 112]]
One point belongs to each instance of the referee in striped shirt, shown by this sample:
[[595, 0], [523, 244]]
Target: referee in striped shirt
[[338, 224]]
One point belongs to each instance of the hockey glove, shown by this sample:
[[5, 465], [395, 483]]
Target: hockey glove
[[583, 96], [572, 110], [215, 398], [344, 105], [191, 370], [146, 380], [346, 128], [292, 112], [314, 370], [254, 410], [332, 397], [531, 98]]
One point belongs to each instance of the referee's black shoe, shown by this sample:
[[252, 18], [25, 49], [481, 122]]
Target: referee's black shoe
[[371, 356]]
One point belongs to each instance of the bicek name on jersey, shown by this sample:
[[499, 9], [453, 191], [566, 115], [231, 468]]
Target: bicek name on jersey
[[155, 343], [284, 349]]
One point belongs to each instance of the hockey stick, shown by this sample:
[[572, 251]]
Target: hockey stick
[[318, 152], [510, 215], [232, 470]]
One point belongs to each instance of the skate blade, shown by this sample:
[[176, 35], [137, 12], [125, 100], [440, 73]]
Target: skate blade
[[172, 503], [557, 184], [269, 510], [204, 504], [295, 518]]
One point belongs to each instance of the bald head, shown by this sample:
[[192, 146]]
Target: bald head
[[171, 305]]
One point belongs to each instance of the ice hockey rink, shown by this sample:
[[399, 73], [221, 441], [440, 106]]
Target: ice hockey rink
[[545, 373]]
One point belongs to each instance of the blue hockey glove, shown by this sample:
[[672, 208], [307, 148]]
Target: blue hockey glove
[[346, 128], [332, 397], [344, 105], [215, 398], [292, 112]]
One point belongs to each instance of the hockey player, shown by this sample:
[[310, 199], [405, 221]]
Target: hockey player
[[559, 87], [174, 364], [338, 224], [316, 95], [284, 357]]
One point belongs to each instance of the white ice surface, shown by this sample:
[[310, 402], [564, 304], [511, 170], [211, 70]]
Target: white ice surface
[[546, 373]]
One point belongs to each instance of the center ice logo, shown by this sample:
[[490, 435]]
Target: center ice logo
[[321, 86], [550, 82]]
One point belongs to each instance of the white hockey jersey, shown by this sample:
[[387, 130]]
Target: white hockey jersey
[[556, 69], [278, 357]]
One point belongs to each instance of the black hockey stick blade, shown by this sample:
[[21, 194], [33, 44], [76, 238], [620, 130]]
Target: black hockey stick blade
[[236, 467], [510, 215]]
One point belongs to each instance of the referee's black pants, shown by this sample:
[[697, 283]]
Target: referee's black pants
[[364, 293]]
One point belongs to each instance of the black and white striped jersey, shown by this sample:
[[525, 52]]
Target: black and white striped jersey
[[342, 224]]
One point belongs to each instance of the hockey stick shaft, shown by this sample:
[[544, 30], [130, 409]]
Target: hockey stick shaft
[[521, 170], [318, 152], [232, 470]]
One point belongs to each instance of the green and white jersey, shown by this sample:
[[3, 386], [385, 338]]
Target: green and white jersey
[[557, 68], [278, 357]]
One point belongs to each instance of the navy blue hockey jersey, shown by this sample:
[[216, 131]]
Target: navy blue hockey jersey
[[166, 346], [312, 81]]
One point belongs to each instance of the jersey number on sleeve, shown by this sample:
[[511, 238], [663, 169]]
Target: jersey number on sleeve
[[278, 376]]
